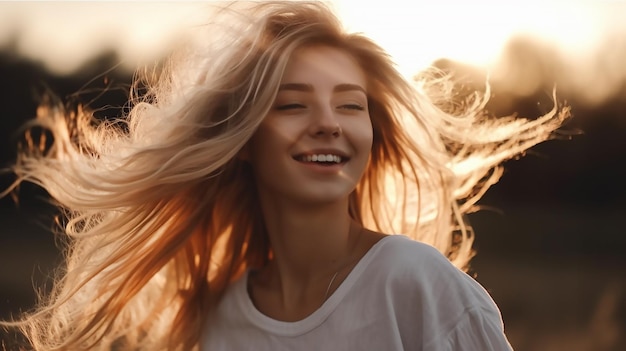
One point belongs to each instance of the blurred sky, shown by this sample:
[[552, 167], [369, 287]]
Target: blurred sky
[[586, 38]]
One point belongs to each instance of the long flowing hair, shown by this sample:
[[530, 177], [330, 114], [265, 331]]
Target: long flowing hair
[[161, 214]]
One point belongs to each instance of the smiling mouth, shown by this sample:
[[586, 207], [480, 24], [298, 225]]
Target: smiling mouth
[[322, 159]]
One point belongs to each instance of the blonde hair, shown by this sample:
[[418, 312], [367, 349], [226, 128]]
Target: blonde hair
[[162, 214]]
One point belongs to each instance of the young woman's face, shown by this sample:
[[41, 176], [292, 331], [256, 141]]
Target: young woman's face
[[315, 143]]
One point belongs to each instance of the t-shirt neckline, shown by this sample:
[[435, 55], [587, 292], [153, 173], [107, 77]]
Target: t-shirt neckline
[[316, 318]]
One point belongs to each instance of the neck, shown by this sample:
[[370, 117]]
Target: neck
[[314, 248], [309, 243], [310, 239]]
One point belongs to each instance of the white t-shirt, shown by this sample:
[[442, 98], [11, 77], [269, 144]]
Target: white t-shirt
[[402, 295]]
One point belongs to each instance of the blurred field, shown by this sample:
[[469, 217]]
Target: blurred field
[[551, 299]]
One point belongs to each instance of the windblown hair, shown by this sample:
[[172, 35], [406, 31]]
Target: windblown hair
[[162, 215]]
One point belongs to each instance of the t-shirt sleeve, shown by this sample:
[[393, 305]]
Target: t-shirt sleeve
[[456, 312], [477, 330]]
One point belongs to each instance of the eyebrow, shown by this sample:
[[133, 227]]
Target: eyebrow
[[309, 88]]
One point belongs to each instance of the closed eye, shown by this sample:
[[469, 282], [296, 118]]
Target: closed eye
[[356, 107], [289, 107]]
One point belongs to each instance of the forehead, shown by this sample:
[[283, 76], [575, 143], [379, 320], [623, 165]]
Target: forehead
[[323, 66]]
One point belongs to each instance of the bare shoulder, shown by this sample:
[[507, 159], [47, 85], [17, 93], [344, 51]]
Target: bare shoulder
[[371, 238]]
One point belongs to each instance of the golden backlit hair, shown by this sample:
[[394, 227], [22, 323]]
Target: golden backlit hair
[[162, 215]]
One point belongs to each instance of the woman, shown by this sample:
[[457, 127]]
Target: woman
[[249, 199]]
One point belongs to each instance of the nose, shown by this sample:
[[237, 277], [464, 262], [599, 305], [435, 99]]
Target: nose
[[324, 123]]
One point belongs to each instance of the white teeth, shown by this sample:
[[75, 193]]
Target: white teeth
[[322, 158]]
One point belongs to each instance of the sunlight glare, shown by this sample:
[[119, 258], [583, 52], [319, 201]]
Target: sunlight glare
[[580, 45], [418, 33], [64, 36], [584, 39]]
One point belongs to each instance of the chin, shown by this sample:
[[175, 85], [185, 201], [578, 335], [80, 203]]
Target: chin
[[325, 197]]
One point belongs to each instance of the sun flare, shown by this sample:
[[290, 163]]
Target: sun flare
[[585, 35]]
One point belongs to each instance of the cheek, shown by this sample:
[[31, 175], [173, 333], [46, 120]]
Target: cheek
[[264, 146], [362, 134], [259, 148], [370, 135], [275, 133]]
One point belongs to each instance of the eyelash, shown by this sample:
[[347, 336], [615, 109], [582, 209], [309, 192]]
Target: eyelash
[[356, 107], [289, 107]]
